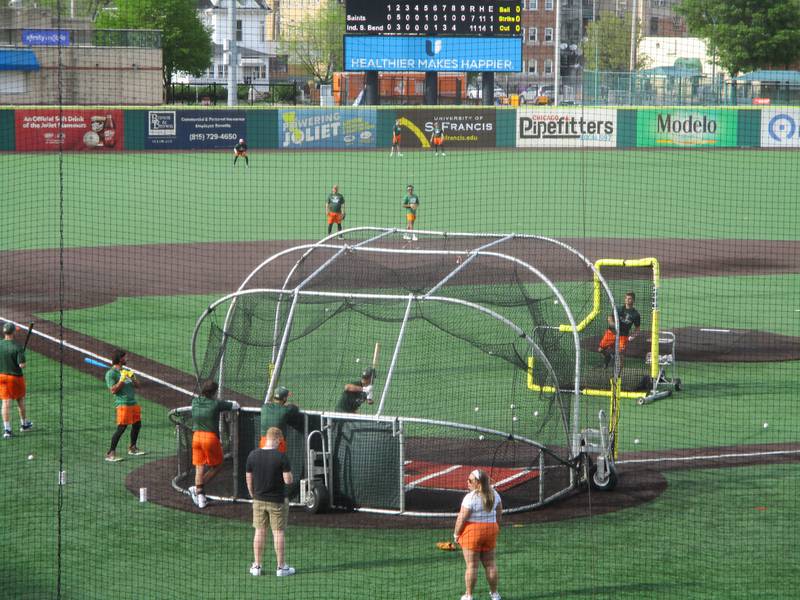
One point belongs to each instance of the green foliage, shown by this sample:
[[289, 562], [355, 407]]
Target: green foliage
[[746, 34], [316, 42], [607, 46], [185, 41]]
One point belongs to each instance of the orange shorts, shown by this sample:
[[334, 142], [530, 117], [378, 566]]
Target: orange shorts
[[241, 153], [479, 537], [128, 415], [608, 341], [410, 217], [395, 140], [206, 449], [334, 218], [281, 445], [12, 387], [438, 141]]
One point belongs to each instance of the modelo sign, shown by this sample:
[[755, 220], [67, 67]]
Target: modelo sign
[[575, 128], [686, 128]]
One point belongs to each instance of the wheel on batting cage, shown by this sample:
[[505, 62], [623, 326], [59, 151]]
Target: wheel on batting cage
[[599, 484]]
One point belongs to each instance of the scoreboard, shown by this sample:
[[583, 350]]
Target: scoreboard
[[492, 18]]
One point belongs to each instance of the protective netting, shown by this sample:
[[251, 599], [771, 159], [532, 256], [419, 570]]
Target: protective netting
[[127, 213]]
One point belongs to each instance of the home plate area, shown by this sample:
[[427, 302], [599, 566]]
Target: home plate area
[[420, 474]]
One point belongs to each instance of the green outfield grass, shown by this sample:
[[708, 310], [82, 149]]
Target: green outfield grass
[[105, 530], [146, 198]]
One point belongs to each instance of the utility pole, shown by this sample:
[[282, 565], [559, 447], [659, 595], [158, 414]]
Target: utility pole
[[557, 61], [233, 55]]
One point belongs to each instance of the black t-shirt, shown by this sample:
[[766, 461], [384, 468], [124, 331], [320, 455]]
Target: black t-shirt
[[268, 467], [628, 317]]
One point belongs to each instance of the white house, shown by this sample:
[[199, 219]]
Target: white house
[[254, 48]]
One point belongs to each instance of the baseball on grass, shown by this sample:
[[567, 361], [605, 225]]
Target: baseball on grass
[[358, 360], [536, 413], [513, 406], [636, 440], [477, 408], [480, 437], [30, 456], [766, 424]]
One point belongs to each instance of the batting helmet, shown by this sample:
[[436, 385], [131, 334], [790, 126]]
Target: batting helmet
[[9, 327], [281, 393], [368, 373]]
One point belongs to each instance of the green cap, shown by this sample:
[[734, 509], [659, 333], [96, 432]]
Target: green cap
[[281, 393], [9, 327]]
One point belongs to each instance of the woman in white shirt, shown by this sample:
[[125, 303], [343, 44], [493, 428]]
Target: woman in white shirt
[[476, 530]]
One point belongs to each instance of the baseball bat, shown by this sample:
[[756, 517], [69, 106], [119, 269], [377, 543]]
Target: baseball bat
[[375, 354], [28, 337], [96, 363]]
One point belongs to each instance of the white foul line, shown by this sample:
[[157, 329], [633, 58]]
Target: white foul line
[[517, 475], [708, 457], [416, 482], [715, 330], [102, 358]]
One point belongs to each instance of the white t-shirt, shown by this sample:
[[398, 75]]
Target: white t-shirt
[[477, 514]]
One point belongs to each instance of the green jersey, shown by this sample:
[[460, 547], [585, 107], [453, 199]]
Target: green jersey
[[205, 413], [278, 415], [11, 357], [335, 203], [411, 203], [396, 130], [350, 402], [126, 395]]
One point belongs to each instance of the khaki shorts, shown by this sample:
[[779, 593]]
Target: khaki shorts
[[274, 514]]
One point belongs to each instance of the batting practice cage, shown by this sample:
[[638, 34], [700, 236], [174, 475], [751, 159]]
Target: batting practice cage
[[449, 237]]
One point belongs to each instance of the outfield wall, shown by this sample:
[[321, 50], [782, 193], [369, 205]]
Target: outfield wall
[[355, 128]]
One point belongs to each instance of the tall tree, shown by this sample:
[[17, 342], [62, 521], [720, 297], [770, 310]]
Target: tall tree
[[316, 42], [746, 34], [607, 46], [186, 43]]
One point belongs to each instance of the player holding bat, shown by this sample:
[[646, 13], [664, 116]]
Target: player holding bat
[[357, 392], [12, 381], [121, 383]]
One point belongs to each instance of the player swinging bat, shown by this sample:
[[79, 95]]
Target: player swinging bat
[[357, 392]]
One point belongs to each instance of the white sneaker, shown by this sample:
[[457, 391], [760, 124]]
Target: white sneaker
[[413, 238], [201, 501], [7, 434], [255, 570], [495, 596], [466, 597], [285, 571], [399, 154], [406, 237], [193, 492], [26, 426]]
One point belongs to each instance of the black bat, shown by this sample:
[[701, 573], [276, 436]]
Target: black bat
[[28, 337]]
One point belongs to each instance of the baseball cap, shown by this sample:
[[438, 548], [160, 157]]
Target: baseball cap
[[368, 373], [409, 187], [241, 140], [9, 327], [281, 393]]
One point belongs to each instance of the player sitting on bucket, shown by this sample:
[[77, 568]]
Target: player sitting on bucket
[[628, 317]]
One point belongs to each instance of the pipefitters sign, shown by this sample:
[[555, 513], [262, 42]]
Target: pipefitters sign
[[321, 128], [461, 128], [566, 128], [92, 130], [684, 128]]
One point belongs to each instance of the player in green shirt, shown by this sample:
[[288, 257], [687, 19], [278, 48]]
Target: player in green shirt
[[121, 382], [411, 204], [12, 381], [356, 393], [279, 413], [396, 136], [206, 447], [334, 208]]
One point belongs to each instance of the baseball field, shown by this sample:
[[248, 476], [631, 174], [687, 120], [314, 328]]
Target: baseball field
[[128, 249]]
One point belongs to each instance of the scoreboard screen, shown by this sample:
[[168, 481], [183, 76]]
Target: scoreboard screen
[[492, 18]]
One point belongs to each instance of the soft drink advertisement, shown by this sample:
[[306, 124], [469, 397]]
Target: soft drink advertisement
[[320, 128], [89, 130], [195, 129]]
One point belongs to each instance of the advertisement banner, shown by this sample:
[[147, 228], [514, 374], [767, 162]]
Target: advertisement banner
[[45, 37], [194, 129], [326, 128], [407, 53], [93, 129], [682, 128], [779, 128], [473, 128], [566, 128]]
